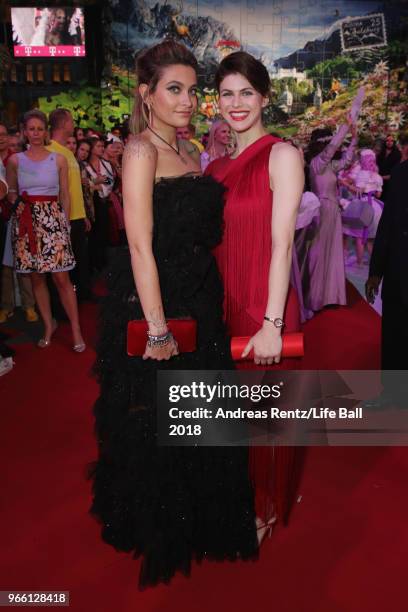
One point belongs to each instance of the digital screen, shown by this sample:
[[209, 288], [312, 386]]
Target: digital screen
[[48, 32]]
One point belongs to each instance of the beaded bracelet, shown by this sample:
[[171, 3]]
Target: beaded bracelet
[[157, 341]]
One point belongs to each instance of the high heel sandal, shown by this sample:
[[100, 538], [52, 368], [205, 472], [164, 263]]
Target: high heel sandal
[[43, 343], [79, 348], [264, 529]]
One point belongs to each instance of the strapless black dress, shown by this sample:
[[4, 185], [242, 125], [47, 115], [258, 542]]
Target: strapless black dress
[[170, 505]]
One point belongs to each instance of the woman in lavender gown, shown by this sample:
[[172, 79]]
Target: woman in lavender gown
[[327, 283]]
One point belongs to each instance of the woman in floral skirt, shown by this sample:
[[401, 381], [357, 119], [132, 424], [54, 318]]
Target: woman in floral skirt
[[38, 189]]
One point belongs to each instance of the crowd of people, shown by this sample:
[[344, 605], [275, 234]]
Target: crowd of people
[[220, 228]]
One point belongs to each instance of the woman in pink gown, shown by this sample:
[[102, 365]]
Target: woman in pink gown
[[264, 180]]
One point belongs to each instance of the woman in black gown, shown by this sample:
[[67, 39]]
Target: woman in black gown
[[169, 505]]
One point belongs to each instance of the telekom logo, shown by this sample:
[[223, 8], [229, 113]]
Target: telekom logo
[[77, 51], [28, 51], [53, 51]]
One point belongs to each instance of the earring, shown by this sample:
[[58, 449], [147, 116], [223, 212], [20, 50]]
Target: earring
[[147, 118]]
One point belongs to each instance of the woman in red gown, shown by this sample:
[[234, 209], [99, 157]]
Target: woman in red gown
[[264, 180]]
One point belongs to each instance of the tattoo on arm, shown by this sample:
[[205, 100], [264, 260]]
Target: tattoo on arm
[[139, 148], [157, 318]]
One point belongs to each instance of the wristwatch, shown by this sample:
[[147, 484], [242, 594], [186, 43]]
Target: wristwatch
[[278, 322]]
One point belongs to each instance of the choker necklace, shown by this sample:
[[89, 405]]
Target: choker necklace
[[176, 150]]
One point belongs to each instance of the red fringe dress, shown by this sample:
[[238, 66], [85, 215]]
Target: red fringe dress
[[243, 259]]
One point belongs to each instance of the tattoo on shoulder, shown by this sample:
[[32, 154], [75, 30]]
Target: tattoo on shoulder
[[139, 148]]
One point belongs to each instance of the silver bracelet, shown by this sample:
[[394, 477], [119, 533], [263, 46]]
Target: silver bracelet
[[161, 340]]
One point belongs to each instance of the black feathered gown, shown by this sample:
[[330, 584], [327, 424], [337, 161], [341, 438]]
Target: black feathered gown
[[169, 505]]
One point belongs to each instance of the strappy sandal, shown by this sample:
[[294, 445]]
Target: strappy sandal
[[43, 342], [79, 348], [264, 529]]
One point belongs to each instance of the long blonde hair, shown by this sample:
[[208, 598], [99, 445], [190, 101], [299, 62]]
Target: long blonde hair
[[211, 144], [149, 68]]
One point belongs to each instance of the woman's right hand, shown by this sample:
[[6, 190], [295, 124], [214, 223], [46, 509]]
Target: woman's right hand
[[161, 353]]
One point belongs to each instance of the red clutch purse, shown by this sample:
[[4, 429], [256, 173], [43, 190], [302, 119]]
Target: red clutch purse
[[184, 330], [292, 346]]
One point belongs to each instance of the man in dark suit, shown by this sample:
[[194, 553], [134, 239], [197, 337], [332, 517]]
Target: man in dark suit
[[389, 263], [387, 159]]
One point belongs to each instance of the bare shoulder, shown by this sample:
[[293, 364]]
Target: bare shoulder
[[284, 158], [284, 151], [285, 166], [13, 161], [138, 147]]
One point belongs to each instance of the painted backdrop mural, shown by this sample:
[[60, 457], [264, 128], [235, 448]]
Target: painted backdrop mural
[[317, 52]]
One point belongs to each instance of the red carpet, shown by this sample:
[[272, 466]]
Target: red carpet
[[344, 550]]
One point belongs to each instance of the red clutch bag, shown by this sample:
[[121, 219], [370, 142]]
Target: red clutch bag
[[292, 346], [184, 330]]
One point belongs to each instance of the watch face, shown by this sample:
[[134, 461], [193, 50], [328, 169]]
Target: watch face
[[278, 323]]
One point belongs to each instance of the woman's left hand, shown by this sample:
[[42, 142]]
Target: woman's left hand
[[267, 346]]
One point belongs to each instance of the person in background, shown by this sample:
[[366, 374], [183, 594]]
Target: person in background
[[403, 144], [327, 279], [15, 144], [72, 144], [364, 182], [6, 354], [102, 178], [3, 182], [79, 134], [61, 128], [116, 131], [4, 208], [389, 263], [388, 158], [5, 151], [219, 141], [82, 155], [113, 154], [90, 133], [189, 133], [39, 194], [7, 287]]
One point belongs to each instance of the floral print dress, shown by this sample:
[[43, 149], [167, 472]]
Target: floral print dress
[[40, 233]]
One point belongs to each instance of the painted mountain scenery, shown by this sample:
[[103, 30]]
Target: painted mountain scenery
[[317, 52]]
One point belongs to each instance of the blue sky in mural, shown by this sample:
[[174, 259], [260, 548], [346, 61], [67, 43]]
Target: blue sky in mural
[[278, 27]]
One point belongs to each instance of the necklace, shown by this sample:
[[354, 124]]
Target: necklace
[[176, 150]]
